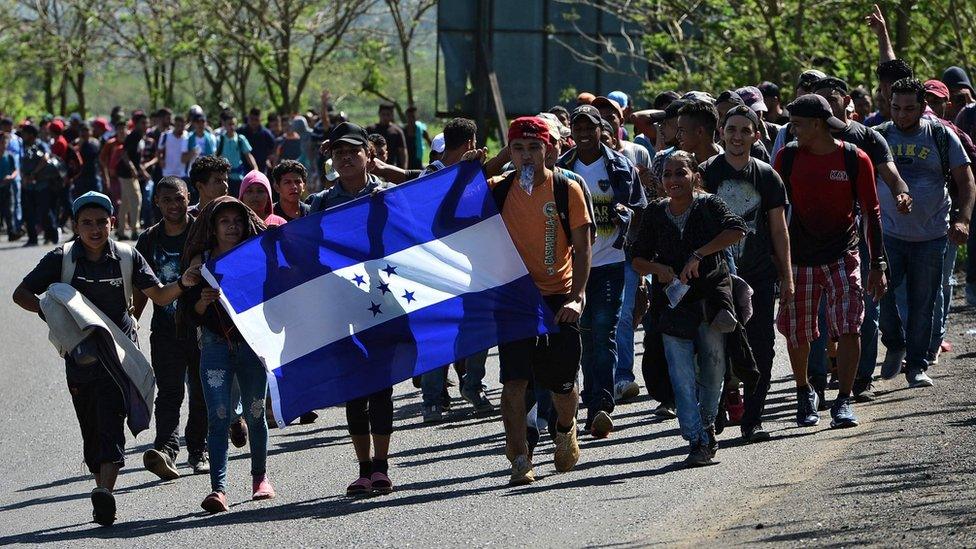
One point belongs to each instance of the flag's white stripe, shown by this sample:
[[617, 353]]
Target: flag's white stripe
[[333, 306]]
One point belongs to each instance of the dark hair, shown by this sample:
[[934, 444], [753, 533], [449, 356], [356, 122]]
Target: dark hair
[[377, 140], [909, 86], [558, 110], [254, 112], [686, 158], [28, 128], [137, 116], [206, 165], [859, 92], [89, 206], [663, 99], [226, 115], [173, 183], [459, 131], [702, 114], [894, 70], [273, 116], [386, 107], [288, 166]]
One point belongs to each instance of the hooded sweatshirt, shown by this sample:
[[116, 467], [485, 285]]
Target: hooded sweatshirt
[[255, 177]]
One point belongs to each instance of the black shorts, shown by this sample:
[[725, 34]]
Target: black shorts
[[100, 408], [552, 360]]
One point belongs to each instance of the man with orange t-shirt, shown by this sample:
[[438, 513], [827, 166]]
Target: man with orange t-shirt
[[547, 218]]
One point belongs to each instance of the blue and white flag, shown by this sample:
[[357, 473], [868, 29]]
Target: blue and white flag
[[347, 302]]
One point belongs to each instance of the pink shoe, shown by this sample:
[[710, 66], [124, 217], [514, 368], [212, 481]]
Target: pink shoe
[[262, 487], [381, 483], [216, 502], [362, 487]]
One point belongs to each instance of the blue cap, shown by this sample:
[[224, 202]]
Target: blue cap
[[91, 197], [620, 97]]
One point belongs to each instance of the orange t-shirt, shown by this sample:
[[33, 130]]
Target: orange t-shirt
[[534, 226]]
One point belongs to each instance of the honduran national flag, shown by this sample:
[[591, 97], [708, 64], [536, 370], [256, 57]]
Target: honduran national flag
[[350, 301]]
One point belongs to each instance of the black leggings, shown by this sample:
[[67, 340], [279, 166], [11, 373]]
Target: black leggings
[[371, 414]]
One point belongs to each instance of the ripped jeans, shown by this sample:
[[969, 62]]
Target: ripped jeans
[[220, 363]]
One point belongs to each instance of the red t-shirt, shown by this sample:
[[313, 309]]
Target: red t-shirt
[[60, 147], [824, 207]]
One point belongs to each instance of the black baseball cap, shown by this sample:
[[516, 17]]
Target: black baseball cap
[[809, 77], [742, 110], [347, 132], [768, 89], [671, 111], [588, 111], [812, 105], [730, 96], [831, 83]]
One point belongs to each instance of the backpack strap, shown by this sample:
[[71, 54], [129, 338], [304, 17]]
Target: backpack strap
[[851, 166], [67, 263], [789, 155], [220, 146], [500, 192], [125, 261], [941, 137]]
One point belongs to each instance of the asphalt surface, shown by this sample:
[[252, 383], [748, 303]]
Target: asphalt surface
[[904, 477]]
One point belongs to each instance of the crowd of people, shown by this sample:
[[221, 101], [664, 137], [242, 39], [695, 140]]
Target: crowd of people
[[693, 223]]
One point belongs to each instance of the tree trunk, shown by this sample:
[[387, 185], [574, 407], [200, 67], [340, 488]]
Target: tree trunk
[[903, 26], [48, 84]]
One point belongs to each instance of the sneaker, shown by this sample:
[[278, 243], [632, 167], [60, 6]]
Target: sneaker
[[522, 472], [567, 449], [200, 463], [625, 390], [735, 406], [160, 464], [433, 414], [261, 487], [754, 433], [806, 407], [819, 384], [381, 483], [665, 411], [863, 390], [712, 441], [893, 361], [699, 456], [842, 414], [478, 401], [238, 433], [307, 418], [216, 502], [362, 486], [602, 425], [103, 506], [917, 378]]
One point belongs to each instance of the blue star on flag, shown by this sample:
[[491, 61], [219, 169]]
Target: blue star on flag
[[384, 287], [375, 309], [359, 280], [409, 296], [389, 270]]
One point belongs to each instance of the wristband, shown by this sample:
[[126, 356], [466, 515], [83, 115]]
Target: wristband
[[697, 255]]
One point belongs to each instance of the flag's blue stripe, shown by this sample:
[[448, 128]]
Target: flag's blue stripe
[[285, 257], [410, 345]]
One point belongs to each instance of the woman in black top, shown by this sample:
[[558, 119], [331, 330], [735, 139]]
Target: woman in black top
[[681, 242]]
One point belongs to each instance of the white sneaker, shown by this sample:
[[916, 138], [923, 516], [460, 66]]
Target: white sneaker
[[625, 390]]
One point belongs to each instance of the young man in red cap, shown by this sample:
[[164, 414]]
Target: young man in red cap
[[555, 246]]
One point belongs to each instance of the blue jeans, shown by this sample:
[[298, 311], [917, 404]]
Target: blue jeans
[[940, 314], [625, 327], [598, 324], [817, 362], [432, 383], [697, 383], [919, 266], [221, 362], [15, 194]]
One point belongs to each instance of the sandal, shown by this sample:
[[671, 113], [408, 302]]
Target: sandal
[[381, 483], [362, 487]]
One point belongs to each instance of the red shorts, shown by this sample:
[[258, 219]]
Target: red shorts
[[841, 281]]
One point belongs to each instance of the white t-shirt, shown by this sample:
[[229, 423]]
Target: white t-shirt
[[173, 150], [604, 215]]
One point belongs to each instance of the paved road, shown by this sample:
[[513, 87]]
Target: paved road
[[906, 477]]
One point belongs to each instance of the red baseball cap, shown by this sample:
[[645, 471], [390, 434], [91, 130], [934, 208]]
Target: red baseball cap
[[56, 126], [100, 123], [937, 88], [529, 127]]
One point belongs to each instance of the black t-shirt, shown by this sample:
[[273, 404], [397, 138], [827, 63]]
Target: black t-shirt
[[750, 194], [132, 147], [395, 141], [303, 210], [163, 252], [99, 281], [868, 140], [89, 150]]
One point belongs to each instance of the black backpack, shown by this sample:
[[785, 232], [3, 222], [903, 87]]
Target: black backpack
[[941, 137], [560, 191], [850, 165]]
